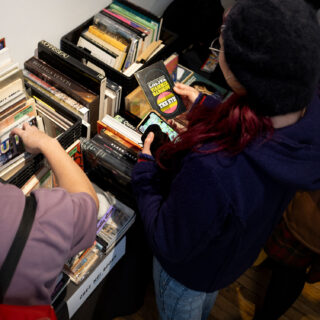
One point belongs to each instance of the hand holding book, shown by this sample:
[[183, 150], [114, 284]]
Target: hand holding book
[[188, 94], [32, 137]]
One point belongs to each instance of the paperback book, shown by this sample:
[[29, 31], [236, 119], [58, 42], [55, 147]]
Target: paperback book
[[157, 86]]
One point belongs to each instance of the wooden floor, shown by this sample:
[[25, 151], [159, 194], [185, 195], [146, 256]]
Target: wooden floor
[[238, 301]]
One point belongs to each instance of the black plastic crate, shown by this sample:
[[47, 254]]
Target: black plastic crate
[[69, 41], [74, 132], [35, 162]]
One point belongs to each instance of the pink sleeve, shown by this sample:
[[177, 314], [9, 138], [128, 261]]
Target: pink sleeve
[[74, 216]]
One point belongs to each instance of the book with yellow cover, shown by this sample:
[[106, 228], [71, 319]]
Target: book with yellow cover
[[108, 38]]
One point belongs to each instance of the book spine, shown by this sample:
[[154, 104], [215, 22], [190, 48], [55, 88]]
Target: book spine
[[143, 14], [11, 91], [137, 10], [104, 22], [77, 71], [105, 18], [129, 22], [73, 68], [60, 81], [56, 95], [13, 106], [28, 109], [114, 151], [124, 122], [105, 158], [133, 17], [125, 153], [97, 51], [124, 137], [105, 37]]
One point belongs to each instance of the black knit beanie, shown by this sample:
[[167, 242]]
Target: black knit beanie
[[273, 49]]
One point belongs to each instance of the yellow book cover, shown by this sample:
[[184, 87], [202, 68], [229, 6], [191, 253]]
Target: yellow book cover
[[102, 35]]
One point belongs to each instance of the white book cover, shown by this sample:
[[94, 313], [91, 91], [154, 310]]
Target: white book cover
[[11, 91], [5, 57], [98, 53], [8, 67], [122, 129]]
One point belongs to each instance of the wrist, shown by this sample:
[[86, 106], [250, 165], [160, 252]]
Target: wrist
[[48, 145], [145, 157]]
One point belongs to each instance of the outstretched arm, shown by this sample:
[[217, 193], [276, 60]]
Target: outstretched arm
[[69, 175]]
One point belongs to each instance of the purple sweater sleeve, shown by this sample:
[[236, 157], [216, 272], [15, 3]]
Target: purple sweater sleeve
[[209, 101], [189, 215]]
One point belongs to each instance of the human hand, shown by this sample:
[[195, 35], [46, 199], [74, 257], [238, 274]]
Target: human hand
[[147, 144], [34, 140], [188, 94]]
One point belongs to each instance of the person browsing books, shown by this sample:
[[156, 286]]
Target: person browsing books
[[210, 199], [65, 221]]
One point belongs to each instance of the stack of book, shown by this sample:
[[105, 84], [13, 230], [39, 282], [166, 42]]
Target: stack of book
[[15, 108], [121, 37], [113, 152], [55, 78]]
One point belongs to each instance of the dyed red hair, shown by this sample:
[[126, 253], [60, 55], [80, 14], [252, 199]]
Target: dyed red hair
[[229, 127]]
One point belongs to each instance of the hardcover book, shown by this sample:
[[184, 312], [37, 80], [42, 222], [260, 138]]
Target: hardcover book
[[128, 154], [114, 170], [76, 70], [57, 95], [111, 24], [157, 86], [122, 130], [61, 81]]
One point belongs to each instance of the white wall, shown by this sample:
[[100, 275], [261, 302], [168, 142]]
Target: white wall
[[24, 23]]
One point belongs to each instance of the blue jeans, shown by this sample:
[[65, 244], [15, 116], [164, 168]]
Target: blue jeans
[[177, 302]]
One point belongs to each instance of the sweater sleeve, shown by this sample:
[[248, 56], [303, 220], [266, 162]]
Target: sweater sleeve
[[179, 226], [209, 101]]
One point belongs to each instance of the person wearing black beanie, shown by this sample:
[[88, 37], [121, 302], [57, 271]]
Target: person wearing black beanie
[[210, 199], [274, 56]]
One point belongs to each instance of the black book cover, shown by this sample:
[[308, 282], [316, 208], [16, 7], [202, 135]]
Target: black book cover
[[76, 70], [127, 154], [97, 158], [62, 82], [112, 156], [157, 85], [70, 66]]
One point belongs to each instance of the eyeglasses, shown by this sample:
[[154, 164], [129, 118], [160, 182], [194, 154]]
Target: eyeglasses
[[215, 46]]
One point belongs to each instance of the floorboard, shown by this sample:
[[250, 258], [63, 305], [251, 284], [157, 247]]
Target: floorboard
[[238, 301]]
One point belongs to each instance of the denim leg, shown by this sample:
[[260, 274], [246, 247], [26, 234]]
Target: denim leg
[[177, 302]]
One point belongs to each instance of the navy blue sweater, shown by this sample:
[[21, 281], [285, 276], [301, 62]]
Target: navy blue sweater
[[218, 212]]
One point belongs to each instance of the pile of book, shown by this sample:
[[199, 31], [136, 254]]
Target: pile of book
[[113, 150], [15, 108], [55, 78], [121, 36]]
